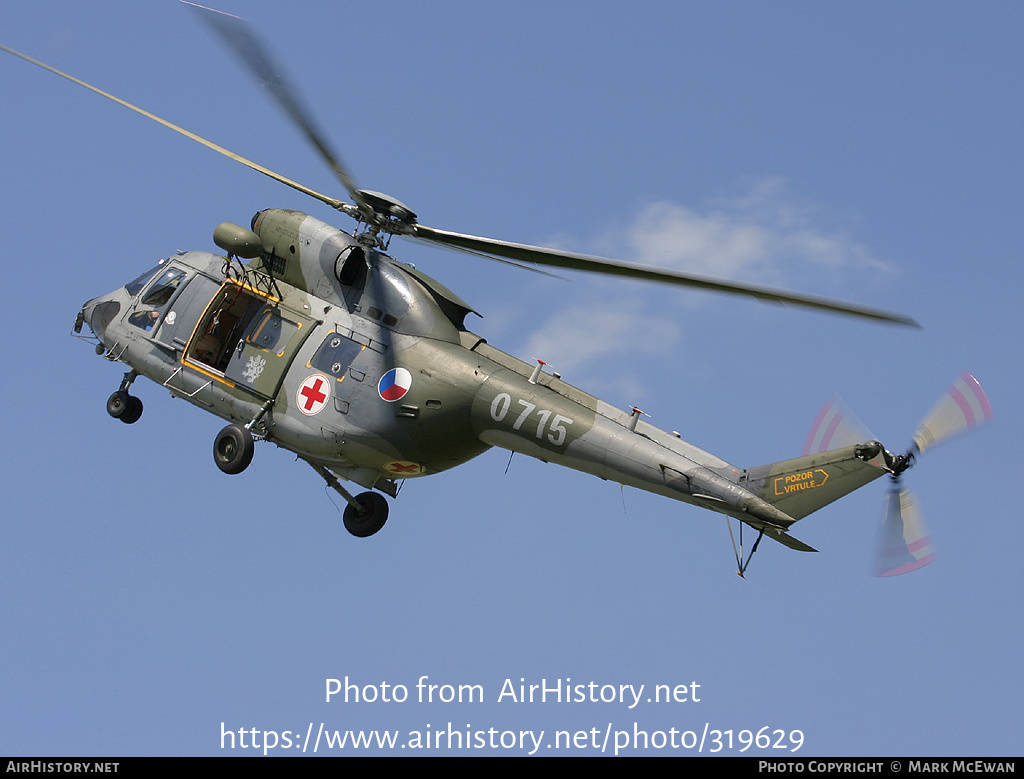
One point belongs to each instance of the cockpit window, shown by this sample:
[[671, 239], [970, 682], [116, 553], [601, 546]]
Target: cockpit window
[[158, 294], [135, 287], [162, 289]]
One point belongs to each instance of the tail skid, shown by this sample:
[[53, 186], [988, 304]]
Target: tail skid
[[795, 488], [774, 531]]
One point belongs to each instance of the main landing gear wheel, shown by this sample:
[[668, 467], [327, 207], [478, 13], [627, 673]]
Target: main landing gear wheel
[[372, 517], [233, 449], [125, 407]]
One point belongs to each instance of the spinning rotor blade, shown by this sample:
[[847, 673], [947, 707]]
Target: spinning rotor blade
[[238, 35], [905, 543], [388, 215], [963, 407], [561, 259], [834, 427], [257, 58]]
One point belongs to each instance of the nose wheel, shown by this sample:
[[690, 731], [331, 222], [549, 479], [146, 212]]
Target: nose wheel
[[123, 406]]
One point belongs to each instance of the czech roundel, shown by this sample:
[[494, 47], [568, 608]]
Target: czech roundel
[[394, 384]]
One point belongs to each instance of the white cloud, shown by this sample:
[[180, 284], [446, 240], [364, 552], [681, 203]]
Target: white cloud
[[762, 236], [582, 334], [602, 341]]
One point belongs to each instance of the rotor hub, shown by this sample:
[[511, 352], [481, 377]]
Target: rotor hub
[[390, 214]]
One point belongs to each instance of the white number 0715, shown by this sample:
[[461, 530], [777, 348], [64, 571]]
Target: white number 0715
[[556, 432]]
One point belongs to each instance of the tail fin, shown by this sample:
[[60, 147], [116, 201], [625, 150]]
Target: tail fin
[[806, 484]]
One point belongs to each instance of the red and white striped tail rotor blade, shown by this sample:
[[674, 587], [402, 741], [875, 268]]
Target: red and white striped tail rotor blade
[[835, 426], [905, 542], [962, 407]]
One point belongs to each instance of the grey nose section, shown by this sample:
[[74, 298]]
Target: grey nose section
[[98, 314]]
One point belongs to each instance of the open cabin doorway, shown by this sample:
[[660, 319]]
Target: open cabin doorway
[[245, 338]]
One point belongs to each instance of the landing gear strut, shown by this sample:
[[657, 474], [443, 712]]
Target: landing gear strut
[[365, 513]]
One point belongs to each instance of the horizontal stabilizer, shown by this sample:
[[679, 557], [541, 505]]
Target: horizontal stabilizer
[[788, 540], [778, 534]]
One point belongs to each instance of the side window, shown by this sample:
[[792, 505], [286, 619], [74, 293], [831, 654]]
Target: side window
[[335, 355], [145, 319], [272, 332]]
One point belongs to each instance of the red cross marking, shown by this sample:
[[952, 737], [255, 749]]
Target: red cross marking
[[400, 468], [314, 394]]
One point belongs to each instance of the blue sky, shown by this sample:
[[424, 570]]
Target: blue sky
[[868, 152]]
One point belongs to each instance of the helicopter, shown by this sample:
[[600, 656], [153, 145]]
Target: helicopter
[[319, 341]]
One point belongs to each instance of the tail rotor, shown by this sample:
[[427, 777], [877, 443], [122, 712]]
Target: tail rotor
[[905, 543]]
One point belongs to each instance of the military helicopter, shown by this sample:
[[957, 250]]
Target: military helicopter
[[318, 340]]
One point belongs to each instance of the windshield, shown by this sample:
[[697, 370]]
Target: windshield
[[135, 287]]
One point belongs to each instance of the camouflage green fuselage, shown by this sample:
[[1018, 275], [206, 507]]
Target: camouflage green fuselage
[[364, 366]]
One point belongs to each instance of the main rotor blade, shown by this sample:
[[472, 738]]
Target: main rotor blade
[[583, 262], [257, 57], [331, 201], [962, 407]]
